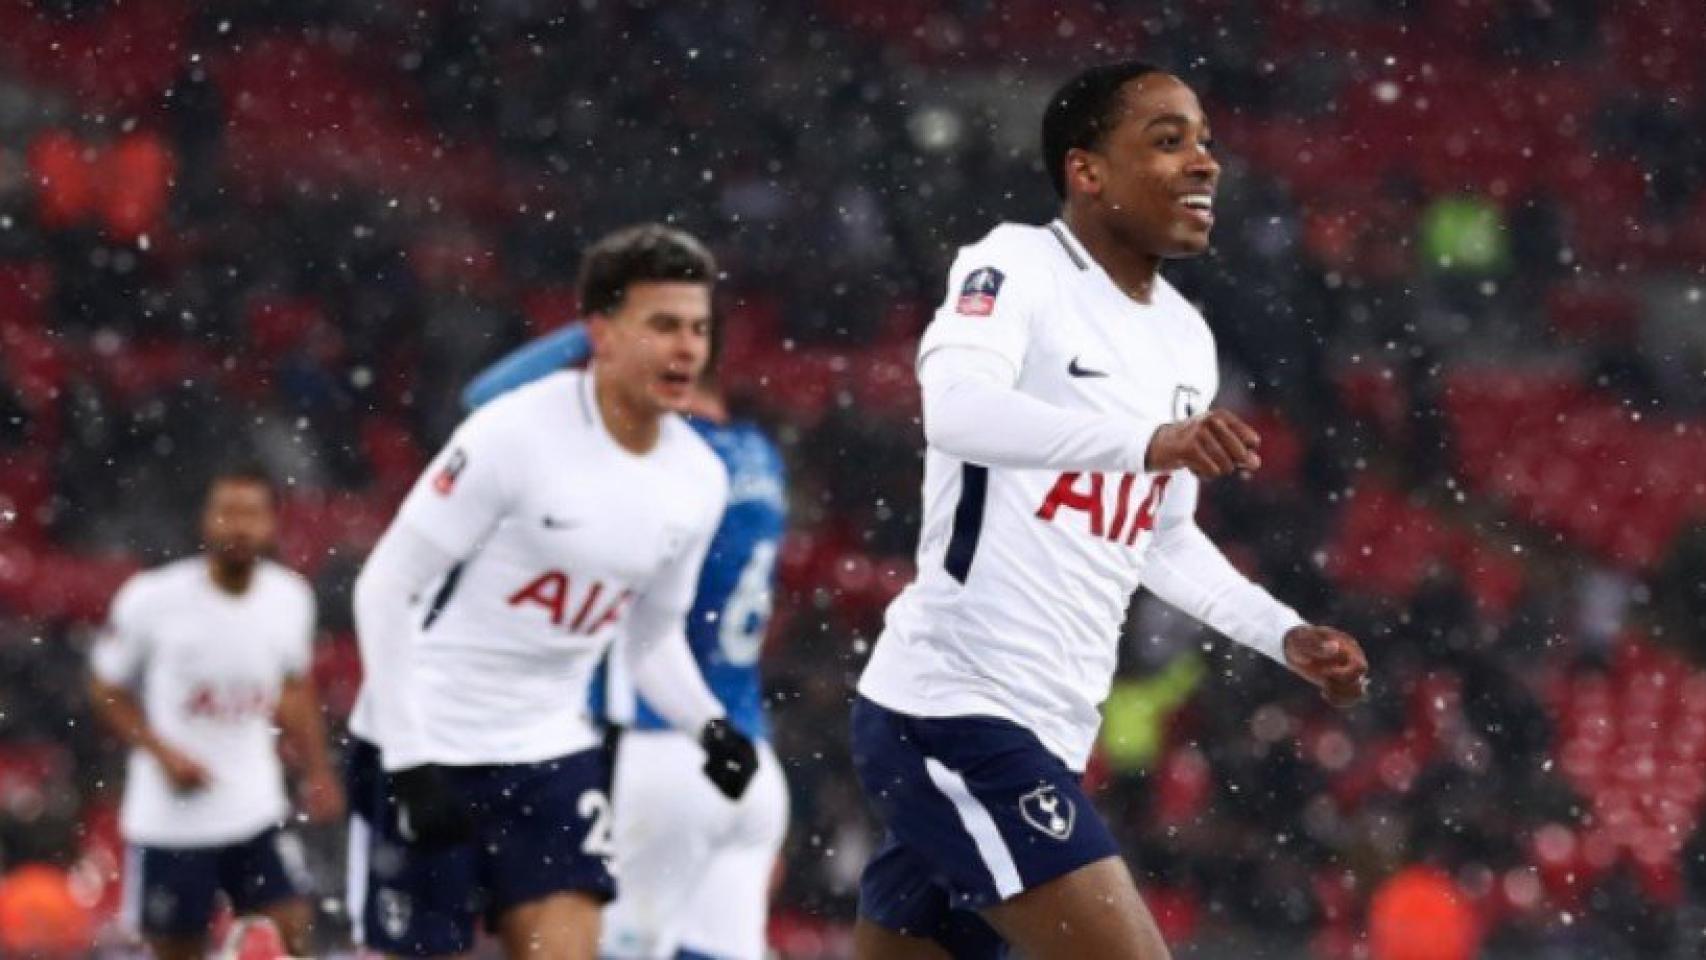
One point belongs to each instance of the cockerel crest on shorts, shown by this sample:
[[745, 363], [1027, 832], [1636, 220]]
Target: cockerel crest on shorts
[[1045, 809]]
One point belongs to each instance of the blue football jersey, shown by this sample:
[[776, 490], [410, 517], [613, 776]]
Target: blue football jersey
[[731, 611]]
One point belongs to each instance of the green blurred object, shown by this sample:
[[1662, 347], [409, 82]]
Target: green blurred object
[[1465, 233], [1134, 719]]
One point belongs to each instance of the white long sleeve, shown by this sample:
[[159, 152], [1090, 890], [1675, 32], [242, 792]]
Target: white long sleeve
[[972, 412], [665, 672], [403, 564], [1187, 570], [658, 655]]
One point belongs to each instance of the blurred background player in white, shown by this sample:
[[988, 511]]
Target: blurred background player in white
[[557, 515], [1066, 390], [200, 660], [695, 867]]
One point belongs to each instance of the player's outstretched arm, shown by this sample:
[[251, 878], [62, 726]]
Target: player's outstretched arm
[[973, 412], [123, 715], [527, 363], [1188, 571]]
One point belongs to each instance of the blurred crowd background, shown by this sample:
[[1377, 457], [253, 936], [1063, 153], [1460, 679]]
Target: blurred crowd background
[[1457, 285]]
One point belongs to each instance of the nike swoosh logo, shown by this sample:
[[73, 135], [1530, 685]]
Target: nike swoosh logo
[[1078, 371], [557, 523]]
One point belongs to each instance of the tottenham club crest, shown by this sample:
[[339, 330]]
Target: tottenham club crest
[[395, 912], [1045, 809]]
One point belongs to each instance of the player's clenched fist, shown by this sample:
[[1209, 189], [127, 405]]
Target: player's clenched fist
[[731, 760], [1209, 445], [428, 809], [1331, 659], [183, 772]]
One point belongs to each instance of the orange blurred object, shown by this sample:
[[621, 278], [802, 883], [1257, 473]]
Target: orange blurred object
[[40, 916], [1420, 914], [125, 185], [63, 172], [137, 179]]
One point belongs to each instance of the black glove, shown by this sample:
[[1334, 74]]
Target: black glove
[[429, 813], [730, 758]]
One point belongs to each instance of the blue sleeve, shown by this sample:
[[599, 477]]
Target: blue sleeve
[[528, 363], [779, 464]]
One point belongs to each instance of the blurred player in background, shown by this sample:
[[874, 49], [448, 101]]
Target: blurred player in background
[[695, 867], [1067, 390], [199, 661], [557, 515]]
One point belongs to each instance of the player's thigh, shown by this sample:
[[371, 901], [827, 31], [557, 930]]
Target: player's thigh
[[543, 829], [668, 818], [169, 894], [561, 926], [978, 812], [1094, 911], [901, 892], [730, 907], [403, 900]]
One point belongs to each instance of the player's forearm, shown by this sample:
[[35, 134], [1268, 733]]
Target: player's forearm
[[402, 564], [1187, 570], [970, 414], [666, 674], [122, 715], [303, 729]]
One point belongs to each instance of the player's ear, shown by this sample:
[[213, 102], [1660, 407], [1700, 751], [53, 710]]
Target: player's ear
[[598, 332], [1083, 172]]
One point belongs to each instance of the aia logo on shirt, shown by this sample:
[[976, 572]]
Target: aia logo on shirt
[[1086, 493], [977, 295], [445, 480], [588, 612], [229, 702]]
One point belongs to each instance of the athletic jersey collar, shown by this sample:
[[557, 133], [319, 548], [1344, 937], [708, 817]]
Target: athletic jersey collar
[[1080, 257], [1075, 251]]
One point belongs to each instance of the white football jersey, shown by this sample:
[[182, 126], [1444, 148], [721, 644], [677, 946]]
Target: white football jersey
[[208, 667], [559, 531], [1024, 576]]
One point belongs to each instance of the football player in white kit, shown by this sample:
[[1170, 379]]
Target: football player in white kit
[[199, 661], [560, 513], [696, 867], [1067, 390]]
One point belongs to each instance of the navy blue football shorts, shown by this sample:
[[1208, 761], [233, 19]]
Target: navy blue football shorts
[[170, 891], [540, 829], [977, 810]]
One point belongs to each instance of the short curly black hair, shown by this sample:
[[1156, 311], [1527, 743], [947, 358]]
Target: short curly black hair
[[638, 254], [246, 471], [1082, 111]]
